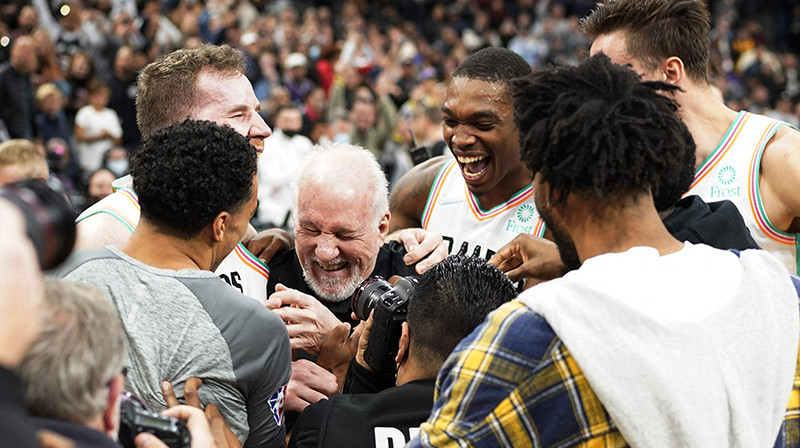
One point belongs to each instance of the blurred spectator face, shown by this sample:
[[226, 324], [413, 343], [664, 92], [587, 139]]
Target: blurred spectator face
[[23, 55], [124, 62], [478, 126], [316, 99], [289, 120], [363, 115], [230, 100], [81, 66], [117, 161], [27, 18], [99, 99], [100, 185], [51, 104]]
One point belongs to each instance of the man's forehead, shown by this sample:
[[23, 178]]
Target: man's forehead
[[475, 96]]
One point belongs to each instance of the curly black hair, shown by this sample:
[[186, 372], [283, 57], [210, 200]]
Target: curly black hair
[[450, 300], [597, 129], [187, 173], [493, 64]]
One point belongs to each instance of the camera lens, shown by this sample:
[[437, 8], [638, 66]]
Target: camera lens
[[49, 219], [367, 294]]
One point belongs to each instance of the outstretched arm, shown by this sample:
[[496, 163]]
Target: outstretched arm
[[409, 195]]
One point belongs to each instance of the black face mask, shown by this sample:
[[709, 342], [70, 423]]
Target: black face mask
[[290, 132]]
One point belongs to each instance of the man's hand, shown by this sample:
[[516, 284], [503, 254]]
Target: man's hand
[[421, 245], [308, 321], [198, 426], [363, 341], [529, 257], [309, 384], [268, 243], [220, 431], [338, 349]]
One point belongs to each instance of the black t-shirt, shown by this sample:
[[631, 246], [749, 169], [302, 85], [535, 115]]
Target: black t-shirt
[[717, 224], [286, 269], [360, 420]]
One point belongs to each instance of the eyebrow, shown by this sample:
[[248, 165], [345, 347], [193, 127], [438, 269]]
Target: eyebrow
[[474, 115]]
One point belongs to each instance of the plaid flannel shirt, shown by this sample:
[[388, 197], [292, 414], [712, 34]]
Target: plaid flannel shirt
[[512, 382]]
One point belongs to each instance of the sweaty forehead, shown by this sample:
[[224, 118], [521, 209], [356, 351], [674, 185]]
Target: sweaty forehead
[[220, 93], [469, 95]]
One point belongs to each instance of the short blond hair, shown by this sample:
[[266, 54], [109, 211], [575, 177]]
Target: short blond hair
[[25, 157]]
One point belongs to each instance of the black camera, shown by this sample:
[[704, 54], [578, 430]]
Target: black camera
[[49, 219], [135, 419], [391, 306]]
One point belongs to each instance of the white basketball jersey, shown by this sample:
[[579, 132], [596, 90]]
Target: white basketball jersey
[[732, 172], [454, 211], [240, 269]]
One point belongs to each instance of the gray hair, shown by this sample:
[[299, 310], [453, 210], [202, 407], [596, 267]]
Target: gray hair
[[334, 163], [81, 348]]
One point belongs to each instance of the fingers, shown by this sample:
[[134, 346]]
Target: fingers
[[438, 254], [190, 392], [169, 394], [49, 439], [196, 422], [147, 440], [220, 429]]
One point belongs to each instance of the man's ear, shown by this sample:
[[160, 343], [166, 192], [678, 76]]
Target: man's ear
[[383, 225], [402, 348], [673, 70], [219, 226], [111, 414]]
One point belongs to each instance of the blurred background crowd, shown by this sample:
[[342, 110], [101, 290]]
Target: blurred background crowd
[[365, 72]]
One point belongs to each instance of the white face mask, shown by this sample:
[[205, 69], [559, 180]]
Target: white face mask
[[118, 166]]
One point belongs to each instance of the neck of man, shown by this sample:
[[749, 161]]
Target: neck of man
[[502, 192], [163, 251], [412, 370], [597, 229], [706, 116]]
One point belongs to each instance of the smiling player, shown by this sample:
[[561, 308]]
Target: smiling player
[[483, 197]]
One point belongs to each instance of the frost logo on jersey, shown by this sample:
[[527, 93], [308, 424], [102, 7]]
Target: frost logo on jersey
[[725, 176], [524, 214], [276, 403]]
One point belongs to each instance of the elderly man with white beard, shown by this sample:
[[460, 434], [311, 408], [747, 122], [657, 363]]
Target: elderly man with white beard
[[341, 219]]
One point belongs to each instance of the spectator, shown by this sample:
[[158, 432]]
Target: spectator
[[99, 186], [19, 159], [284, 151], [465, 289], [644, 380], [185, 311], [116, 161], [17, 91], [122, 85], [97, 128], [80, 73], [295, 77], [51, 121]]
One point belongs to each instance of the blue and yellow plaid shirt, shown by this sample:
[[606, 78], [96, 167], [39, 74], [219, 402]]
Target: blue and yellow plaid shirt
[[512, 382]]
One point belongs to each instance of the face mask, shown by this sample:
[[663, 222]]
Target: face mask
[[118, 166], [290, 132]]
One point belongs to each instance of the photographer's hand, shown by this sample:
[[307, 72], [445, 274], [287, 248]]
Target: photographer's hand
[[220, 430], [198, 426], [363, 341], [529, 257], [422, 247], [308, 321]]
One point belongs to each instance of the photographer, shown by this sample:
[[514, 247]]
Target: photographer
[[465, 290]]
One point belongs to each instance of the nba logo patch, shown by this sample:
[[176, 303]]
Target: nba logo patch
[[276, 402]]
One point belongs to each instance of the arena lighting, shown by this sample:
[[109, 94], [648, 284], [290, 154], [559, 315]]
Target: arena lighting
[[64, 10], [4, 41]]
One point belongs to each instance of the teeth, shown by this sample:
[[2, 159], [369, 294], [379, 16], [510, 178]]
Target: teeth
[[331, 267], [470, 175], [462, 159]]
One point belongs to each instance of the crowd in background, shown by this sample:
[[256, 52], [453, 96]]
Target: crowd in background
[[357, 71]]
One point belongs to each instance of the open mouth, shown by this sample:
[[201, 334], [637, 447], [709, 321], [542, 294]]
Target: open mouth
[[332, 267], [473, 167]]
